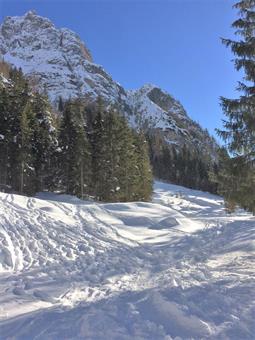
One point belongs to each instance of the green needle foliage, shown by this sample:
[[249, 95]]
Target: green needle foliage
[[237, 179]]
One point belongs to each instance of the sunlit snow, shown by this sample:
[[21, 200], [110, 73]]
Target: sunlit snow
[[177, 267]]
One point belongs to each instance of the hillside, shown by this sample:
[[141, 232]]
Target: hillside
[[177, 267]]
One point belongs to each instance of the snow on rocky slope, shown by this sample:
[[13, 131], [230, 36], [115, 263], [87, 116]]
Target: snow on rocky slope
[[177, 268], [58, 61], [155, 109], [54, 59]]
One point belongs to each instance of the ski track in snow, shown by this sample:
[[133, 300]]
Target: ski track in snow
[[179, 267]]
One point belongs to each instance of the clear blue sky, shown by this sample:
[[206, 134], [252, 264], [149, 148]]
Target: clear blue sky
[[174, 44]]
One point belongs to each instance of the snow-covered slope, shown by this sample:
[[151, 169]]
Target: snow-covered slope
[[155, 109], [177, 267]]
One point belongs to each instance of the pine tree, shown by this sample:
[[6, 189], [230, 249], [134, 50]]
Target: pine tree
[[5, 136], [119, 159], [44, 140], [60, 104], [20, 117], [97, 145], [142, 188], [112, 145], [74, 157], [239, 133], [27, 136], [26, 171]]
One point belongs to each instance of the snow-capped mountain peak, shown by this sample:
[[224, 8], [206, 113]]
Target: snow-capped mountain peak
[[54, 59], [57, 61]]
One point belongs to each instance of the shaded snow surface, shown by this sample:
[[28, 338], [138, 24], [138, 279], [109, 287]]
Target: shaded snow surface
[[176, 268]]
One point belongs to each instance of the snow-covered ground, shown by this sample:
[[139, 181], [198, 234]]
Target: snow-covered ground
[[177, 268]]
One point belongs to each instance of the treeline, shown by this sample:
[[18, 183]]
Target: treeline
[[183, 166], [85, 151]]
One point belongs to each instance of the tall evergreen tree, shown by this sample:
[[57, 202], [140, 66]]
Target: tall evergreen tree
[[44, 140], [20, 117], [25, 158], [239, 133], [119, 159], [142, 188], [111, 143], [5, 136], [27, 136], [74, 156]]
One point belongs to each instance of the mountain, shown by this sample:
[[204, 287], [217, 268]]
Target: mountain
[[54, 59], [57, 61], [155, 109]]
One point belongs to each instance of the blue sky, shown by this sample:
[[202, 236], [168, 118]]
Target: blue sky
[[174, 44]]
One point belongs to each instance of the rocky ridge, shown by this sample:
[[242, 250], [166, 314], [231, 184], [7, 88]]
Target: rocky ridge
[[57, 61]]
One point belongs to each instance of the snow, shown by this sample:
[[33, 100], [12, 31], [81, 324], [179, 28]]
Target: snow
[[4, 80], [150, 112], [178, 267], [55, 58]]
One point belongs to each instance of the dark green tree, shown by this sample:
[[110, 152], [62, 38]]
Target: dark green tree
[[5, 135], [44, 141], [143, 182], [21, 170], [239, 132], [74, 156], [119, 159], [111, 145]]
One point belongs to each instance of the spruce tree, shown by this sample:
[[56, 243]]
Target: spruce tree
[[26, 171], [74, 156], [97, 142], [120, 163], [142, 188], [239, 133], [5, 136], [21, 170], [44, 140], [112, 156]]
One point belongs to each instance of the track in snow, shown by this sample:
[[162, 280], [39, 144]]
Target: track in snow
[[179, 266]]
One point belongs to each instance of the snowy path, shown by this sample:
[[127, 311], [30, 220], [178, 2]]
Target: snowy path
[[177, 267]]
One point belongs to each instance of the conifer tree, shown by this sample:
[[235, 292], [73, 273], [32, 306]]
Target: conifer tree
[[239, 133], [20, 118], [119, 159], [44, 140], [60, 104], [5, 136], [97, 141], [25, 159], [75, 156], [112, 145], [27, 136], [142, 189]]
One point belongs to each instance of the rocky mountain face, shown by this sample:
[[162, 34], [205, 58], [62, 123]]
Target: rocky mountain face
[[57, 61], [158, 112], [54, 59]]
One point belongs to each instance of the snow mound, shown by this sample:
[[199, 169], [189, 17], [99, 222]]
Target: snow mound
[[179, 267]]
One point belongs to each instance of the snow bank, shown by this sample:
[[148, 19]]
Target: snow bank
[[176, 268]]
